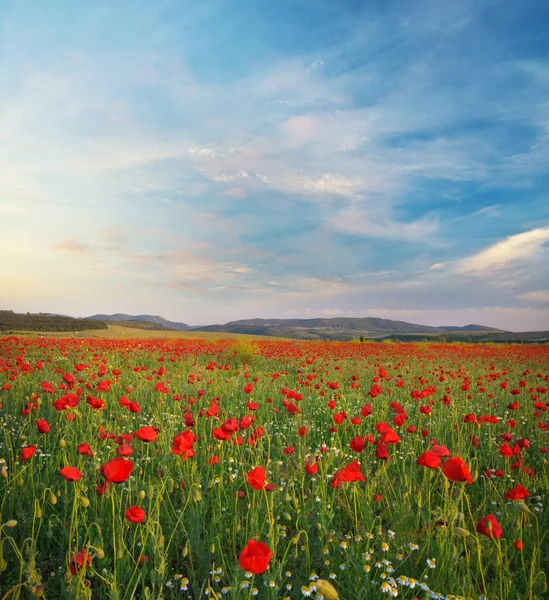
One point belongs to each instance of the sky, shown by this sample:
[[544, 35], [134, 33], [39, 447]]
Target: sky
[[226, 159]]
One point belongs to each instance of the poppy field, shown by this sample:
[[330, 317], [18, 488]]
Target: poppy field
[[238, 469]]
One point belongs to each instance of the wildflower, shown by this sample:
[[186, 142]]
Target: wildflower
[[490, 527], [26, 453], [431, 563], [70, 473], [117, 470], [349, 473], [256, 478], [255, 557], [455, 469], [135, 514]]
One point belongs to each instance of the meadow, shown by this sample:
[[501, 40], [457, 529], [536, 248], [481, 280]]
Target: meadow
[[222, 468]]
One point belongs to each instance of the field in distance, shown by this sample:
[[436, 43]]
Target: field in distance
[[121, 331]]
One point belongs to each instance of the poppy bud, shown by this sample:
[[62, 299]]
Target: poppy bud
[[100, 553], [461, 532], [523, 508], [142, 495], [53, 498], [10, 523], [84, 502], [327, 590], [63, 444]]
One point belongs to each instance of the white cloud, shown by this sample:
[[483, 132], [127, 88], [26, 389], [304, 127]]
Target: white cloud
[[536, 296], [365, 221], [515, 248]]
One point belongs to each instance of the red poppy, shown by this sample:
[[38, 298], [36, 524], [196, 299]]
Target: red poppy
[[117, 470], [490, 527], [256, 478], [146, 434], [124, 450], [80, 560], [519, 545], [390, 437], [349, 473], [255, 557], [43, 426], [135, 514], [183, 441], [70, 473], [289, 450], [357, 444], [382, 452], [220, 434], [311, 467], [455, 469], [230, 425], [85, 449], [517, 493], [440, 450], [27, 452], [429, 459]]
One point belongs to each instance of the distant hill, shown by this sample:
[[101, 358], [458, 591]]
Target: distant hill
[[142, 318], [10, 321], [339, 328]]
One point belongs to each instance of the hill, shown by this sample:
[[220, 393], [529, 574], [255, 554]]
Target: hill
[[10, 321], [141, 318], [340, 328]]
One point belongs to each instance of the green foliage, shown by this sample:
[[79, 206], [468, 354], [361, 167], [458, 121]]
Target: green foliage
[[10, 321]]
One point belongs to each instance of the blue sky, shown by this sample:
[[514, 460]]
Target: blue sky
[[232, 159]]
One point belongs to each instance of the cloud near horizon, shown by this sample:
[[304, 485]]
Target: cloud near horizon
[[244, 159]]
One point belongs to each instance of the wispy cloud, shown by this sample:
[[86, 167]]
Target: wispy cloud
[[516, 248]]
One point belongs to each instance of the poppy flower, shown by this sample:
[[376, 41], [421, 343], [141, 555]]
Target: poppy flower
[[124, 450], [256, 478], [311, 468], [27, 452], [490, 527], [146, 434], [517, 493], [183, 442], [455, 469], [357, 444], [289, 450], [519, 545], [43, 426], [85, 449], [349, 473], [135, 514], [390, 437], [70, 473], [429, 459], [382, 452], [255, 557], [220, 434], [440, 450], [80, 560], [117, 470]]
